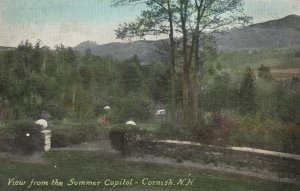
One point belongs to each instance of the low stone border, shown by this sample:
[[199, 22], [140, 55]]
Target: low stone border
[[285, 165], [244, 149]]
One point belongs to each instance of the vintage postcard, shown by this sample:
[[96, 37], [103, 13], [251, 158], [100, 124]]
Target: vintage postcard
[[142, 95]]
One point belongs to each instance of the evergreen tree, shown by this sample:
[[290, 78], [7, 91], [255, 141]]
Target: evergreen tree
[[158, 79], [287, 103], [132, 79], [247, 93], [218, 95], [264, 73]]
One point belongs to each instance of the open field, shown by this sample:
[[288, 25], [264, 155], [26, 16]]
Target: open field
[[97, 166], [280, 57], [284, 63]]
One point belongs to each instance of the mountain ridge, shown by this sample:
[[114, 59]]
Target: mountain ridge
[[290, 21], [283, 32]]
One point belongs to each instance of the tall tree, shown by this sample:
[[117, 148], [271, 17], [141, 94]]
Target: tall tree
[[187, 20], [264, 72], [157, 19], [132, 79], [247, 92]]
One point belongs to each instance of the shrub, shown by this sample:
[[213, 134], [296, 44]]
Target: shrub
[[132, 107], [59, 139], [290, 139], [122, 136], [265, 133], [205, 134], [65, 137], [6, 140], [56, 111], [27, 137], [179, 159], [168, 130]]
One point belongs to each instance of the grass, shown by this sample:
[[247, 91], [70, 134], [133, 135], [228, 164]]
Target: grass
[[283, 57], [101, 166]]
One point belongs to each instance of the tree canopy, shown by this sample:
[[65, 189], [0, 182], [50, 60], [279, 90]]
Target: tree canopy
[[184, 21]]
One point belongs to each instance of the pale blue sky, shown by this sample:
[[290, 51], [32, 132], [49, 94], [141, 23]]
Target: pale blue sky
[[72, 21]]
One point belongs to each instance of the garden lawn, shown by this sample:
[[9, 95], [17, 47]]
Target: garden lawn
[[96, 166]]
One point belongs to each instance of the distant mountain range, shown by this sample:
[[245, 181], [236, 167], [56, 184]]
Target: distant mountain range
[[145, 50], [279, 33], [283, 32]]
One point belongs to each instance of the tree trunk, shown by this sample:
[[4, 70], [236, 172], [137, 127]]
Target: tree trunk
[[73, 96], [172, 69], [186, 67], [185, 100], [197, 69], [195, 100], [44, 65]]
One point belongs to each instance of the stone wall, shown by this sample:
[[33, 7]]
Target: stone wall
[[206, 154]]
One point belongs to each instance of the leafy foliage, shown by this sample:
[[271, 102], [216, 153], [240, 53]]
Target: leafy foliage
[[247, 93], [27, 137], [287, 100], [36, 79], [68, 85], [65, 137], [220, 94], [120, 137], [133, 107], [264, 72]]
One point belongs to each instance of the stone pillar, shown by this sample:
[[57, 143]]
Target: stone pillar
[[47, 139]]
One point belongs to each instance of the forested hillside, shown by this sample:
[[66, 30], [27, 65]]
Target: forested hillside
[[65, 83], [75, 86]]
